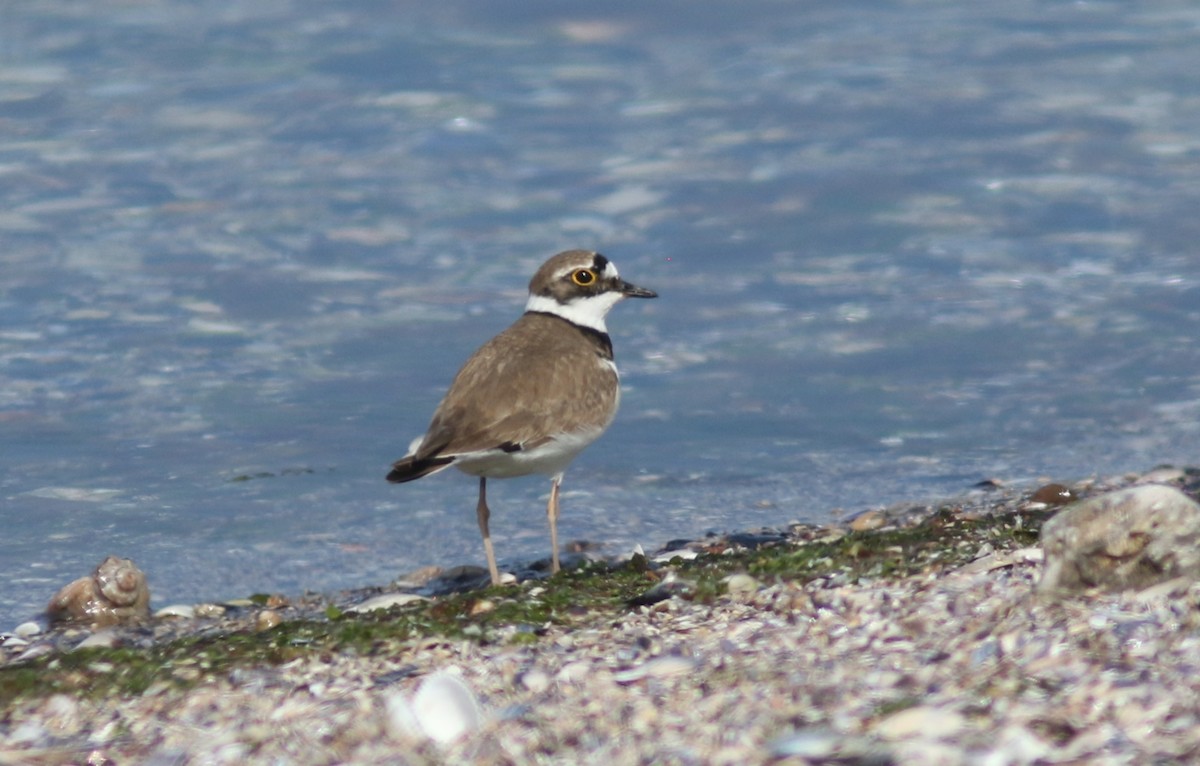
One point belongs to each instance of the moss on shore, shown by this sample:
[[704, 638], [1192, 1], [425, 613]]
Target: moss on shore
[[520, 614]]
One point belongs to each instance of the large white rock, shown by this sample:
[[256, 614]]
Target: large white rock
[[1127, 539]]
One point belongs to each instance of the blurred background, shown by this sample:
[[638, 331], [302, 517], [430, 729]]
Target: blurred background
[[901, 247]]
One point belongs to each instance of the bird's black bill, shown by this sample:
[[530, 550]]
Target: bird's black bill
[[633, 291]]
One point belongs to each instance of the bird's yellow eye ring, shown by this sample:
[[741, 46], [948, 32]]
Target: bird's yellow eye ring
[[583, 277]]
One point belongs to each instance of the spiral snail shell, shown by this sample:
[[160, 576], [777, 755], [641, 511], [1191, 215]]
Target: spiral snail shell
[[115, 593]]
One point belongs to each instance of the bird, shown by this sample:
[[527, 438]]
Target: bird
[[534, 396]]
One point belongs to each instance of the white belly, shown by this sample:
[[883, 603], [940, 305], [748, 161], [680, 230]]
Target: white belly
[[549, 459]]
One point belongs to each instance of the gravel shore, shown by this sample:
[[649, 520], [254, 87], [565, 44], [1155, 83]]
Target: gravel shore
[[957, 663]]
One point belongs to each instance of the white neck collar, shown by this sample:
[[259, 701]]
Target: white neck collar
[[586, 312]]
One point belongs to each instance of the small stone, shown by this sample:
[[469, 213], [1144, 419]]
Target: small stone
[[669, 587], [1162, 475], [741, 586], [865, 522], [209, 610], [102, 639], [1163, 591], [536, 681], [182, 611], [27, 629], [267, 619], [573, 672], [923, 721], [683, 554], [482, 606], [1130, 538], [817, 744], [419, 578], [37, 650], [660, 667], [28, 734], [754, 540], [1053, 495]]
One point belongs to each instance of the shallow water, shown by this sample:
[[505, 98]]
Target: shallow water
[[900, 247]]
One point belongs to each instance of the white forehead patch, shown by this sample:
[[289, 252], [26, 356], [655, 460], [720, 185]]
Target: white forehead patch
[[610, 271]]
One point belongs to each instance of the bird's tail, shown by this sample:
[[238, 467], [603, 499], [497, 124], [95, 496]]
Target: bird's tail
[[411, 467]]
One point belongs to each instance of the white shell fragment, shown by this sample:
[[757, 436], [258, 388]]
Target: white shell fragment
[[1002, 559], [386, 601], [659, 667], [443, 709]]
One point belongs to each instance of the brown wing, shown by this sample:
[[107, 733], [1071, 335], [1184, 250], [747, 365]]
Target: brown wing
[[528, 384]]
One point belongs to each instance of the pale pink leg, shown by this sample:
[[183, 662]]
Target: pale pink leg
[[482, 512], [552, 514]]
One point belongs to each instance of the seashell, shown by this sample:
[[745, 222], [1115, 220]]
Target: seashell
[[116, 592], [386, 601], [121, 582], [443, 709]]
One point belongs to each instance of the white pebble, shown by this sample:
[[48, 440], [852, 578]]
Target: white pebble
[[741, 586], [660, 667], [683, 554], [536, 681], [386, 601], [922, 721], [813, 744], [573, 672], [27, 629], [104, 639]]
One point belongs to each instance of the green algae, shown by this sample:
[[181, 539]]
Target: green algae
[[518, 615]]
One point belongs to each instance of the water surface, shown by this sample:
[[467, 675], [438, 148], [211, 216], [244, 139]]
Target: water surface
[[900, 247]]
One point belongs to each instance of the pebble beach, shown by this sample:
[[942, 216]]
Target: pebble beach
[[960, 662]]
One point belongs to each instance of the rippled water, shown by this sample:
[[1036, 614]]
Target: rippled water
[[901, 247]]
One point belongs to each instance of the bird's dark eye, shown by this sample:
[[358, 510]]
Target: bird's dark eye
[[583, 277]]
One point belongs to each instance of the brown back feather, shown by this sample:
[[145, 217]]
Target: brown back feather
[[505, 390]]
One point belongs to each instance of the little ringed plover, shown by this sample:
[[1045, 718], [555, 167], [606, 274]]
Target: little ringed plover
[[531, 398]]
